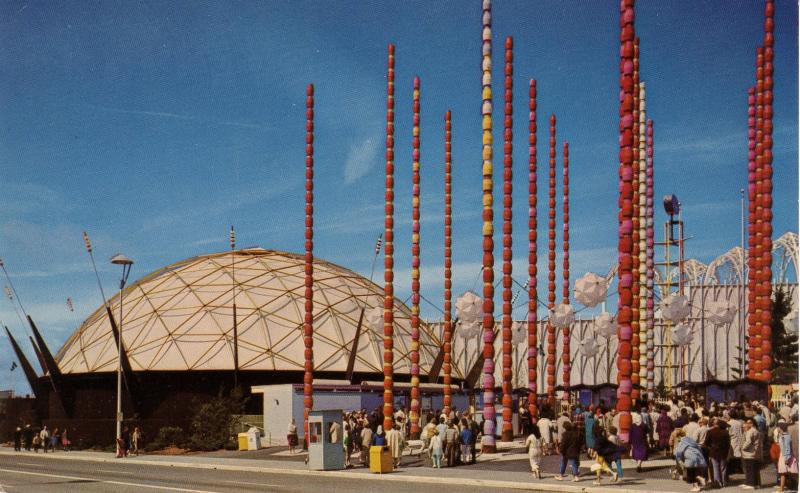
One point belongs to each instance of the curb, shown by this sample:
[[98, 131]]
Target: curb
[[516, 485]]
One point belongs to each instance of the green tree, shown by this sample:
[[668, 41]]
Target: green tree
[[784, 345], [215, 419]]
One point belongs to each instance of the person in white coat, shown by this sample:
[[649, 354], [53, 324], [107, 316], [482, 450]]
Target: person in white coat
[[534, 446], [545, 429], [396, 443]]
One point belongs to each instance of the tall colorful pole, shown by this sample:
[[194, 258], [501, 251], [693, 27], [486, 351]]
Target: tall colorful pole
[[448, 262], [551, 264], [624, 330], [642, 215], [415, 269], [751, 200], [507, 434], [756, 248], [488, 444], [533, 345], [766, 197], [566, 368], [308, 321], [635, 287], [388, 262], [651, 342]]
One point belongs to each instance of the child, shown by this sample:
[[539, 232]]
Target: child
[[435, 448], [614, 439], [534, 445]]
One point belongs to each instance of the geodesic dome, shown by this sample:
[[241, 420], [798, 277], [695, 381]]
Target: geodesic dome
[[180, 318]]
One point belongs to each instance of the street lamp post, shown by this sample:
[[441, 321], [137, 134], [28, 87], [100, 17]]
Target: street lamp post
[[126, 264]]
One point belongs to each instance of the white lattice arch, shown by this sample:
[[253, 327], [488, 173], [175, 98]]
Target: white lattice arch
[[784, 254], [728, 268]]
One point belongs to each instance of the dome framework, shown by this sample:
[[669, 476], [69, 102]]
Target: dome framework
[[180, 318]]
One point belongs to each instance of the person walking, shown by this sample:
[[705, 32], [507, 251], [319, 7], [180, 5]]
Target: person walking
[[55, 440], [44, 438], [466, 440], [136, 437], [545, 429], [736, 432], [751, 455], [718, 444], [18, 439], [588, 433], [366, 441], [347, 444], [291, 436], [65, 443], [473, 425], [787, 462], [605, 451], [435, 448], [27, 436], [617, 456], [451, 444], [570, 449], [534, 445], [638, 438], [396, 441], [689, 453], [664, 429]]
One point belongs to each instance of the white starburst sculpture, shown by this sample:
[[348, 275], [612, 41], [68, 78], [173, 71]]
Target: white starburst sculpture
[[605, 325], [519, 333], [469, 307], [468, 330], [681, 335], [720, 312], [591, 289], [675, 308], [589, 347], [563, 316]]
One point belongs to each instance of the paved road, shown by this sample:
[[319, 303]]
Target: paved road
[[27, 473]]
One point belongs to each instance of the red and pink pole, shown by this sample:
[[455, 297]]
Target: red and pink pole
[[532, 257], [388, 262], [566, 367], [308, 320], [489, 442], [507, 433], [625, 274], [448, 263], [415, 265], [551, 264]]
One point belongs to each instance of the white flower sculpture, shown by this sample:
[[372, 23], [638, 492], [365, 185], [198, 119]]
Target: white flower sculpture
[[605, 325], [675, 308], [563, 316], [591, 289]]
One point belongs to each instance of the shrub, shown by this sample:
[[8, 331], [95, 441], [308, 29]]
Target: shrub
[[215, 419], [168, 436]]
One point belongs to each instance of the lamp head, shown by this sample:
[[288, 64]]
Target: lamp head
[[121, 259]]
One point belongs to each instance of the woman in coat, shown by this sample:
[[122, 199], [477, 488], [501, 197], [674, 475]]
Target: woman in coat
[[638, 438], [435, 448], [689, 453], [664, 429], [588, 433], [718, 444], [379, 438]]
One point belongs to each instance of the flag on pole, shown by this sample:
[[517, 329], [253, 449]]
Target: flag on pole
[[13, 365], [378, 244], [87, 242]]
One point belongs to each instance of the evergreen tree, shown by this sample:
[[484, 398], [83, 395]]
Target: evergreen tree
[[784, 345]]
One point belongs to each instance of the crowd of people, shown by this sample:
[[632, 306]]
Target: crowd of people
[[29, 438], [707, 441]]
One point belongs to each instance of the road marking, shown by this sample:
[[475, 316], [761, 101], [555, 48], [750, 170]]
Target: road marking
[[117, 472], [265, 485], [120, 483]]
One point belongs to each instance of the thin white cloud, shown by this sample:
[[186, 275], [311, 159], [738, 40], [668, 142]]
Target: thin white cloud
[[178, 116], [360, 159]]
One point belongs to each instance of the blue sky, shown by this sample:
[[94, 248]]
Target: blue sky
[[157, 125]]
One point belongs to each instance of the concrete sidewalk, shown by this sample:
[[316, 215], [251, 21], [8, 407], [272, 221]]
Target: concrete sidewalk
[[506, 469]]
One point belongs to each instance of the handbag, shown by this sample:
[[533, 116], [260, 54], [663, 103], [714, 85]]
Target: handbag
[[775, 452]]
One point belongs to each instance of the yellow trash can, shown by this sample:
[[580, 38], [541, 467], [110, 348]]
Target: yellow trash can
[[242, 441], [380, 460]]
